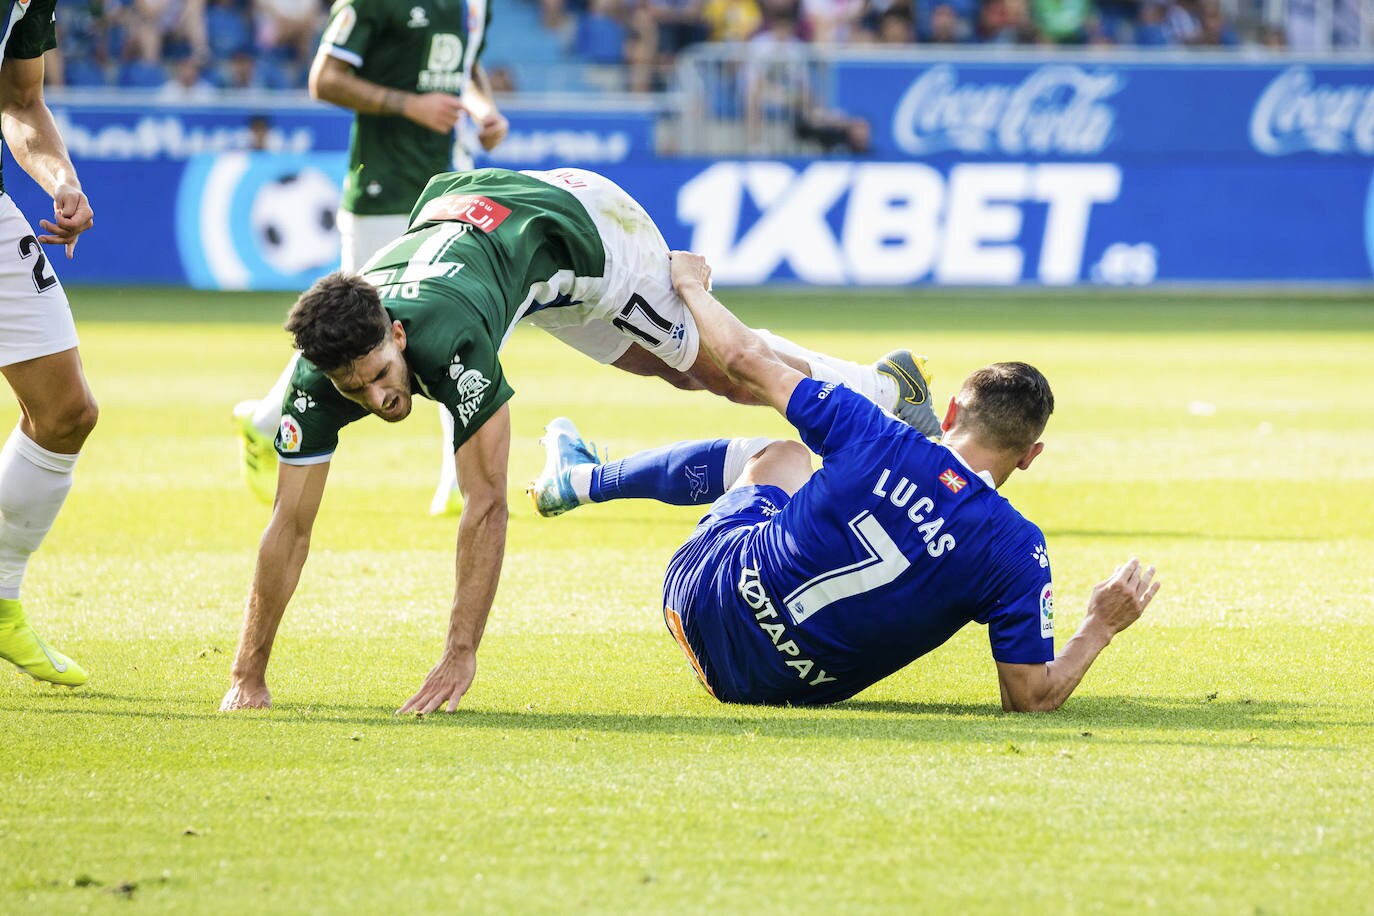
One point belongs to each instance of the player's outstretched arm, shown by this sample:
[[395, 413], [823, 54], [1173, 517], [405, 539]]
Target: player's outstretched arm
[[1116, 603], [492, 126], [482, 469], [335, 81], [33, 138], [281, 556], [741, 354]]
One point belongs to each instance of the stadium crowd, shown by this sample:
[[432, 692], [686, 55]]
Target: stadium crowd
[[191, 49]]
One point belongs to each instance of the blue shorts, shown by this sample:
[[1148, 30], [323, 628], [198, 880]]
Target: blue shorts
[[699, 586]]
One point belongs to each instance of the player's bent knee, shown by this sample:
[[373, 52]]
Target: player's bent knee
[[66, 428], [785, 464]]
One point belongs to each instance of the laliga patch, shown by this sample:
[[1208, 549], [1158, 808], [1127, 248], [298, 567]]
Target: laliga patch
[[1047, 611], [480, 212], [290, 435], [952, 481]]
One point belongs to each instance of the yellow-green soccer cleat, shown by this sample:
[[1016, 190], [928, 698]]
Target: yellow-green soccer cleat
[[913, 378], [552, 491], [21, 647], [257, 454]]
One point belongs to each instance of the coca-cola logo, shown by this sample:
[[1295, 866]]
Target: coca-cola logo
[[1296, 114], [1059, 109]]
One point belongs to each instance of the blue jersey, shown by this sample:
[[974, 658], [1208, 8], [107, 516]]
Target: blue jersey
[[884, 554]]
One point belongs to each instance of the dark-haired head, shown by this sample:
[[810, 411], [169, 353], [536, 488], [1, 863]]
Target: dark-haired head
[[1005, 406], [340, 326], [338, 320]]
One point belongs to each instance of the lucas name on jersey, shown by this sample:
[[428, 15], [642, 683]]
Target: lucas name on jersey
[[936, 544]]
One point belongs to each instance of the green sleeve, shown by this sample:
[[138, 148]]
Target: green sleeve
[[352, 24], [35, 33], [312, 414], [468, 380]]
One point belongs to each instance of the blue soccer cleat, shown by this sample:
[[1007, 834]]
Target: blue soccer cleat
[[552, 490]]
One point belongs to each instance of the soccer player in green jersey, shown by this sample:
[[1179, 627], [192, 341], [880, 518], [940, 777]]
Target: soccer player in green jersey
[[38, 344], [408, 69], [566, 250]]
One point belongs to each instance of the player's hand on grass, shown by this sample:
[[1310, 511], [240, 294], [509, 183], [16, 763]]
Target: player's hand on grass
[[437, 111], [687, 269], [246, 695], [1118, 601], [72, 216], [446, 683], [492, 130]]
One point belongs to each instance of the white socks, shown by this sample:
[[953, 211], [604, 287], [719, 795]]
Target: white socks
[[448, 467], [267, 418], [877, 387], [737, 455], [33, 485]]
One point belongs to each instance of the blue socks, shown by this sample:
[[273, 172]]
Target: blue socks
[[682, 474]]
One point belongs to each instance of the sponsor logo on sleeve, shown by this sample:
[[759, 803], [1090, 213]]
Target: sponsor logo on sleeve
[[952, 481], [303, 401], [479, 212], [1040, 556], [471, 384], [290, 435], [1047, 611], [825, 390]]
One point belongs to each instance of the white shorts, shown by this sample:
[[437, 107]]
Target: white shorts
[[634, 301], [361, 236], [35, 319]]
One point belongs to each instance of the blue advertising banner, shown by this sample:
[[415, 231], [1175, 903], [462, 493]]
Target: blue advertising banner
[[1100, 107], [1069, 172]]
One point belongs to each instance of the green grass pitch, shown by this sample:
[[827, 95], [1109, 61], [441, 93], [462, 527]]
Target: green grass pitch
[[1218, 758]]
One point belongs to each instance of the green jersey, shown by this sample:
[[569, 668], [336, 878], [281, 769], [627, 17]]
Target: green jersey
[[484, 249], [411, 45], [28, 33]]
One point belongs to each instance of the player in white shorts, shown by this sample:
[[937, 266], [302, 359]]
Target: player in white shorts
[[38, 354]]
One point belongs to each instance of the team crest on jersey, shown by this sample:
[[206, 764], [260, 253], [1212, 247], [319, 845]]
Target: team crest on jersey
[[1047, 611], [290, 435], [480, 212], [418, 18], [952, 481]]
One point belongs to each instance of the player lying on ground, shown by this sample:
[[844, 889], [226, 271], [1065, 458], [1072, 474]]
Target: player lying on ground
[[38, 343], [566, 250], [806, 588]]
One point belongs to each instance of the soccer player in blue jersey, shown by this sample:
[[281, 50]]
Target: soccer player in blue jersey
[[804, 588]]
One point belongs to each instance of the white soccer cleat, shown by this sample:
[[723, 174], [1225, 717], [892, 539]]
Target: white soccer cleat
[[552, 491]]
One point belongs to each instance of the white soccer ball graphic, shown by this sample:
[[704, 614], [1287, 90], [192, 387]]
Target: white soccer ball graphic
[[293, 221]]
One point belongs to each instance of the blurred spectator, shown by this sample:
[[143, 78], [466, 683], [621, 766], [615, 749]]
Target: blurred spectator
[[188, 83], [149, 25], [500, 80], [290, 26], [895, 27], [245, 70], [601, 33], [679, 24], [1215, 31], [1272, 37], [832, 20], [778, 93], [732, 20], [1181, 23], [1150, 31], [1006, 22], [946, 28], [259, 132], [1063, 21], [227, 28]]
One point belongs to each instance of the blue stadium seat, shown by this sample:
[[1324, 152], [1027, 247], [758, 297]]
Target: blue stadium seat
[[81, 72], [137, 74]]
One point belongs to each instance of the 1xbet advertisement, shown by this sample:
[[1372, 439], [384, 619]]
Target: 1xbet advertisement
[[1024, 170]]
